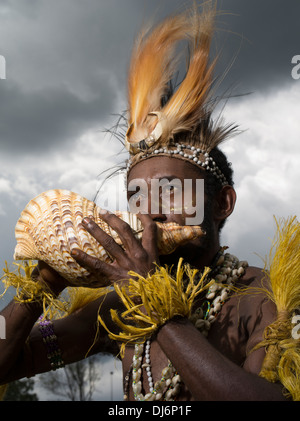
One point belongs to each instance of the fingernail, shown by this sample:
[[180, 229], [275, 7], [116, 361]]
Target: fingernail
[[86, 221], [74, 252]]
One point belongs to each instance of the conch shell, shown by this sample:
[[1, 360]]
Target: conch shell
[[50, 226]]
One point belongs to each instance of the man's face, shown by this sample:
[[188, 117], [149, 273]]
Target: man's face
[[161, 168], [168, 189]]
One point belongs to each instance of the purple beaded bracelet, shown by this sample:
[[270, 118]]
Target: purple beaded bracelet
[[50, 340]]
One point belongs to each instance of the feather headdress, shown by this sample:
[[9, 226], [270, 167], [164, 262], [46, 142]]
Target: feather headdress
[[152, 124]]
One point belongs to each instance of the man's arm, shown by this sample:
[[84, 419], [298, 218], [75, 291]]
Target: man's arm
[[76, 333], [23, 352], [208, 373]]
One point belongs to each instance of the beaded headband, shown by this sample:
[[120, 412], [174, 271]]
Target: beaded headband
[[187, 152], [157, 116]]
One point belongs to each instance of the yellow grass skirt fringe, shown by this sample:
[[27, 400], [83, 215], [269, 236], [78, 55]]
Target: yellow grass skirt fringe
[[28, 290], [150, 302], [282, 361]]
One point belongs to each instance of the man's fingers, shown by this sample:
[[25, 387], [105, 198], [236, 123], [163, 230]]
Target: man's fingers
[[149, 239], [90, 263], [106, 241], [122, 228], [51, 277], [138, 256]]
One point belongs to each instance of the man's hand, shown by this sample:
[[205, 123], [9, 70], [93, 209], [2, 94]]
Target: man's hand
[[135, 255], [43, 273]]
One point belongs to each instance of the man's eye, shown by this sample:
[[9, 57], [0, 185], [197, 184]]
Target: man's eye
[[169, 189], [137, 196]]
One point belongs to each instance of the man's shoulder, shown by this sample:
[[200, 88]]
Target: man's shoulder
[[255, 295], [255, 277]]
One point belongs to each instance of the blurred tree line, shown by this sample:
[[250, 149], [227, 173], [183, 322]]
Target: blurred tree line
[[75, 382]]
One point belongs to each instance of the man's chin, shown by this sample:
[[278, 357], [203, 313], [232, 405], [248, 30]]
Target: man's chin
[[189, 252]]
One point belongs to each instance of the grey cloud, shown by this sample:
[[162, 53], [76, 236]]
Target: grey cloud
[[67, 64], [265, 33], [67, 61], [62, 73], [38, 121], [7, 223]]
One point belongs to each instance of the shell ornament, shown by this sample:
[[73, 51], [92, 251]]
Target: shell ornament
[[50, 226]]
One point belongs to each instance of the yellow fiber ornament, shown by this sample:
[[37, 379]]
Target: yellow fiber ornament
[[27, 289], [282, 361], [160, 297]]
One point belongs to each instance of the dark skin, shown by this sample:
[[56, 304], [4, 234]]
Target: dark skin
[[219, 367]]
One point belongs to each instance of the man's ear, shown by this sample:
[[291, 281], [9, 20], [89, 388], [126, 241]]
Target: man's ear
[[224, 203]]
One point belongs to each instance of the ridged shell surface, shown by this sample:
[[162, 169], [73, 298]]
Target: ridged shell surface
[[51, 226]]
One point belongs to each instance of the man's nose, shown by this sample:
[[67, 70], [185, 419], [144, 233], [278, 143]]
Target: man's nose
[[159, 217], [156, 211]]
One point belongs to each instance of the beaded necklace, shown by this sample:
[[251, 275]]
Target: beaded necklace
[[227, 270]]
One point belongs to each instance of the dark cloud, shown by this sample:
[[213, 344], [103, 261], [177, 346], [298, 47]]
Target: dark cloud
[[7, 230], [265, 33], [66, 74], [67, 61], [38, 121]]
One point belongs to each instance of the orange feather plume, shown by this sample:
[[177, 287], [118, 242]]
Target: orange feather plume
[[150, 70], [152, 67]]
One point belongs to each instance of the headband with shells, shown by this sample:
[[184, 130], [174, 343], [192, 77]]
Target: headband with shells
[[152, 126]]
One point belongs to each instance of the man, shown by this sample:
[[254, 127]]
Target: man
[[213, 368], [208, 354]]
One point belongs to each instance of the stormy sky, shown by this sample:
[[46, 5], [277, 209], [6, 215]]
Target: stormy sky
[[66, 68]]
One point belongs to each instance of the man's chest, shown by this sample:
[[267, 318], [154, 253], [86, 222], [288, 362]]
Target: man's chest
[[228, 333]]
